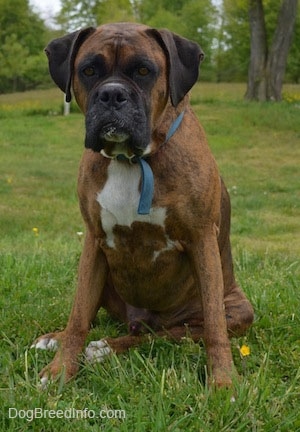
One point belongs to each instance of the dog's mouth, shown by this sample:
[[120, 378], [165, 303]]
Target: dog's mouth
[[112, 134], [117, 133], [115, 142]]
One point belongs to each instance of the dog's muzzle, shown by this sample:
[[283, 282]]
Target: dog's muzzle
[[117, 121], [113, 97]]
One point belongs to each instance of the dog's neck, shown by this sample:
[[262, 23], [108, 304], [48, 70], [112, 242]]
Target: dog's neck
[[147, 183]]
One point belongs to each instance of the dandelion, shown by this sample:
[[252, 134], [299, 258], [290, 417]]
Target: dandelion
[[35, 231], [244, 353], [245, 350], [9, 180]]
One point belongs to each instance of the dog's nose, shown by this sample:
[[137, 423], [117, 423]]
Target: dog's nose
[[112, 95]]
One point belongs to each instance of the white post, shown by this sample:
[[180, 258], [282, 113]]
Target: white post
[[66, 107]]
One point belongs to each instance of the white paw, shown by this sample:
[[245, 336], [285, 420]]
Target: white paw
[[45, 343], [97, 351]]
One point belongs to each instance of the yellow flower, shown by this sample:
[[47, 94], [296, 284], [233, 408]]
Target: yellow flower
[[245, 350], [36, 231]]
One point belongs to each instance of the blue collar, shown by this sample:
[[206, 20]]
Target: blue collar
[[147, 185]]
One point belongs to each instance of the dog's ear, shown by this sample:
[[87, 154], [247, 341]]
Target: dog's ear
[[184, 57], [61, 55]]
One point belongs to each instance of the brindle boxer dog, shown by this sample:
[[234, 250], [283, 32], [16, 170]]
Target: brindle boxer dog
[[157, 250]]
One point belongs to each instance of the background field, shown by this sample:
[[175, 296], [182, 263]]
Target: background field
[[160, 386]]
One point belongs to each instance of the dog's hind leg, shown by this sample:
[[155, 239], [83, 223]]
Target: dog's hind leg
[[239, 312], [112, 302], [98, 350]]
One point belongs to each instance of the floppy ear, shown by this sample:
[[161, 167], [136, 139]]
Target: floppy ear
[[184, 57], [61, 55]]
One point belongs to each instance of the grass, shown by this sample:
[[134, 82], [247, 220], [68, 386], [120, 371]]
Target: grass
[[160, 386]]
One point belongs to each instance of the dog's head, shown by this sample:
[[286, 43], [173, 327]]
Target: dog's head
[[123, 76]]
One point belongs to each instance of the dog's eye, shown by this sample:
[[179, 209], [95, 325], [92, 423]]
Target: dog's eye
[[143, 71], [89, 71]]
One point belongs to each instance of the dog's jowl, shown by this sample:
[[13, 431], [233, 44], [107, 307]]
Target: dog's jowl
[[157, 251]]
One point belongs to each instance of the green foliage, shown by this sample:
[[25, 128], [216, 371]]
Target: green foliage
[[13, 58], [222, 32], [77, 14], [113, 11], [293, 64], [22, 39], [234, 42], [161, 386]]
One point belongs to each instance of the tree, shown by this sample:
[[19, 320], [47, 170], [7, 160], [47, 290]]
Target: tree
[[76, 14], [293, 64], [233, 41], [267, 66], [13, 58], [114, 11], [22, 36]]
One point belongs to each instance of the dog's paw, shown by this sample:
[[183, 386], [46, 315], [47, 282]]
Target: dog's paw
[[57, 371], [97, 351], [47, 342]]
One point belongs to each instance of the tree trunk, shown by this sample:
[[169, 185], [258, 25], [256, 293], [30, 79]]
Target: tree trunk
[[278, 54], [258, 41], [266, 70]]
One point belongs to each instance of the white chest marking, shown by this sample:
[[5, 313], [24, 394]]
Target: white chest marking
[[119, 200]]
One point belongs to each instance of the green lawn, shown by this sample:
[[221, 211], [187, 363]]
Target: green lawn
[[160, 386]]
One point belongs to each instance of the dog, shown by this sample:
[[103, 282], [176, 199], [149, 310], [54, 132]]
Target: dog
[[157, 252]]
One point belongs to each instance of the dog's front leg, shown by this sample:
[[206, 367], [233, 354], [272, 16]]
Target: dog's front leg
[[91, 280], [206, 263]]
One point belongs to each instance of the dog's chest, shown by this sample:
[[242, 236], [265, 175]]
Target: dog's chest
[[123, 226]]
